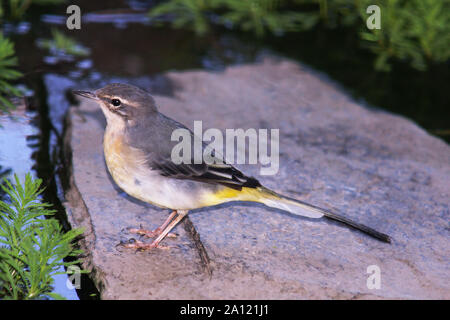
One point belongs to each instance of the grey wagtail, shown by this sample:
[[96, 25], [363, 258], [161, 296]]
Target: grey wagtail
[[137, 146]]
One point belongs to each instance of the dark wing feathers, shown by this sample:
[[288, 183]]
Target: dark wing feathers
[[223, 174]]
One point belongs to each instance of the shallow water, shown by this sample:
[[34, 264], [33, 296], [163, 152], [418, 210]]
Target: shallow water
[[15, 141]]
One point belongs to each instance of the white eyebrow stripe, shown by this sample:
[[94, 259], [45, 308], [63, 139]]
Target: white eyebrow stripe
[[132, 104]]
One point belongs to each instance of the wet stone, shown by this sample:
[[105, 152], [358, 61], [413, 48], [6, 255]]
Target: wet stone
[[380, 169]]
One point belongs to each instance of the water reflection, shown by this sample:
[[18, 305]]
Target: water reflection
[[15, 152], [19, 141]]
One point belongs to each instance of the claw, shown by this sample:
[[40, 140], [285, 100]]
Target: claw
[[150, 233], [172, 235], [141, 246]]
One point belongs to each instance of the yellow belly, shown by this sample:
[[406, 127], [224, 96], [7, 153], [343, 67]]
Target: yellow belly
[[125, 165]]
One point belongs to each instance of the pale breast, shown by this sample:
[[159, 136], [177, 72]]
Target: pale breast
[[129, 170]]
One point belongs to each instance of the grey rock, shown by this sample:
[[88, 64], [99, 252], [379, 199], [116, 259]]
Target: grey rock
[[379, 169]]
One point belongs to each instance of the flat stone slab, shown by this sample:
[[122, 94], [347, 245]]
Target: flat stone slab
[[379, 169]]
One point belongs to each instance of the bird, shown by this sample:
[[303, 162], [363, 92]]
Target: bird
[[137, 148]]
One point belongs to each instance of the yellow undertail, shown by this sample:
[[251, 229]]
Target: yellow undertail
[[267, 197]]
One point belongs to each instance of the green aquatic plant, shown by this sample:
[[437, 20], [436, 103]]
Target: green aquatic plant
[[8, 73], [63, 44], [260, 16], [417, 31], [32, 247], [413, 31], [186, 13], [253, 15], [17, 8]]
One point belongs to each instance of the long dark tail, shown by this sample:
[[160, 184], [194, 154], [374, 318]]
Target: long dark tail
[[272, 199], [358, 226]]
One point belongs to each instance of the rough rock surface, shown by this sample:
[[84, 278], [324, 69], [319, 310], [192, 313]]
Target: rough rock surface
[[380, 169]]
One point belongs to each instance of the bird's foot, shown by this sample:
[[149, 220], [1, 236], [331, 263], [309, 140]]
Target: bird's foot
[[141, 246], [150, 233]]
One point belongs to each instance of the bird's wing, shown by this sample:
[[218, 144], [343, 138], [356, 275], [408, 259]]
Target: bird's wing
[[157, 145], [219, 173]]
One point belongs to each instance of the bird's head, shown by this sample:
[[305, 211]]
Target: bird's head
[[122, 103]]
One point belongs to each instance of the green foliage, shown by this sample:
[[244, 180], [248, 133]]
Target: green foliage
[[417, 31], [64, 44], [7, 73], [17, 8], [413, 30], [31, 246], [186, 12], [252, 15], [259, 15]]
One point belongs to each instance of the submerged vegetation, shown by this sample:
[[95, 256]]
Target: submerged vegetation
[[8, 63], [416, 31], [15, 9], [32, 247], [60, 43]]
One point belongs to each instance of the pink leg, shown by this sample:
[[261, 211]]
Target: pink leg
[[157, 231], [155, 244]]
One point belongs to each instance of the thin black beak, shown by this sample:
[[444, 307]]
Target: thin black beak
[[86, 94]]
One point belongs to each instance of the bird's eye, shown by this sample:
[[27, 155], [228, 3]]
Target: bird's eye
[[115, 102]]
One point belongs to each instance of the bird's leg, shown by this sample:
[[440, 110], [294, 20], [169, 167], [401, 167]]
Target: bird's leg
[[163, 234], [157, 231], [155, 244]]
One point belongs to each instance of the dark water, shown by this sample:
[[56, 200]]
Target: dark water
[[134, 49], [127, 48], [420, 96]]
